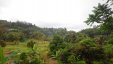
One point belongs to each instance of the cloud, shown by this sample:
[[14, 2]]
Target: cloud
[[4, 3], [49, 13]]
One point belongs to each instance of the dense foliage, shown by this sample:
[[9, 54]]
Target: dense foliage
[[89, 46], [31, 57]]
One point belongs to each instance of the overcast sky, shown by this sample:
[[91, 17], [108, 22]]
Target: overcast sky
[[70, 14]]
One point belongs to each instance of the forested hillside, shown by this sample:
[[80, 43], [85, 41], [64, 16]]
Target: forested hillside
[[22, 30]]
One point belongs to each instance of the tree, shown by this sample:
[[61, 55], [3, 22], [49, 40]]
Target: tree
[[111, 1], [91, 32], [55, 44], [13, 36], [70, 37], [100, 39], [102, 14], [2, 28]]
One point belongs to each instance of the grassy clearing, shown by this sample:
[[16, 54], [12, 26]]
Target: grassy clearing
[[41, 47]]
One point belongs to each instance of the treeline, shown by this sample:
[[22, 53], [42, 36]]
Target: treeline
[[21, 31]]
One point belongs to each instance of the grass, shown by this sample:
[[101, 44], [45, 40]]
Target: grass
[[41, 47], [21, 47]]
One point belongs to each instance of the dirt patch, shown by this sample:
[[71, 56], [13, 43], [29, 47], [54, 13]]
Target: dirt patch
[[49, 60]]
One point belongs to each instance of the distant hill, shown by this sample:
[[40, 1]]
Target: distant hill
[[29, 28]]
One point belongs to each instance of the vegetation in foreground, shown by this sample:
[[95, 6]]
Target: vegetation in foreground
[[24, 43], [17, 53]]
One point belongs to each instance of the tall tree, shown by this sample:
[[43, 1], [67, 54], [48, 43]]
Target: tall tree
[[102, 14]]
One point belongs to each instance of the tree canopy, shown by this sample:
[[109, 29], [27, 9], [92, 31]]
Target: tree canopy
[[102, 14]]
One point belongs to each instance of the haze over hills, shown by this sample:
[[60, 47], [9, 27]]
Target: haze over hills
[[69, 14], [29, 28]]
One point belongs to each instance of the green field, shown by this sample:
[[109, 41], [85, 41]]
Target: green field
[[41, 47]]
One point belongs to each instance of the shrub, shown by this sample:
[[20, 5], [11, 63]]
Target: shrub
[[97, 62], [80, 62], [108, 50], [31, 57], [86, 50], [71, 37], [110, 41], [55, 44], [100, 39], [72, 59], [30, 44], [2, 43], [88, 42]]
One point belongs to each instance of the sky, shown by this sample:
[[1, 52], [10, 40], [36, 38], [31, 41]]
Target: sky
[[69, 14]]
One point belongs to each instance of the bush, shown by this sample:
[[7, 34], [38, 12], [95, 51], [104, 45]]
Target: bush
[[30, 44], [31, 57], [86, 50], [2, 43], [71, 37], [28, 58], [88, 42], [55, 44], [97, 62], [72, 59], [110, 41], [100, 39], [108, 50], [80, 62]]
